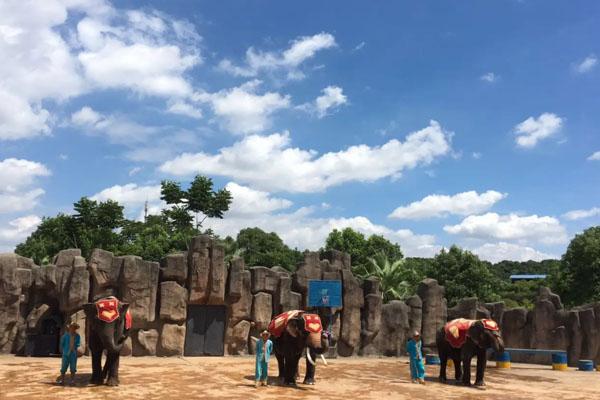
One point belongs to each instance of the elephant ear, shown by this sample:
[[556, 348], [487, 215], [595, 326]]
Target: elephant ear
[[292, 327], [476, 332]]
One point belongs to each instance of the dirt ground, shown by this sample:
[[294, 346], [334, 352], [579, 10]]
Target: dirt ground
[[232, 378]]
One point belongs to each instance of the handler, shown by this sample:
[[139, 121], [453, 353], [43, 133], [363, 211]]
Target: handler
[[417, 368], [69, 343], [264, 347]]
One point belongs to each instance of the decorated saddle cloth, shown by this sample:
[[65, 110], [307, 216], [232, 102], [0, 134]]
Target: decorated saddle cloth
[[108, 311], [312, 322], [457, 330]]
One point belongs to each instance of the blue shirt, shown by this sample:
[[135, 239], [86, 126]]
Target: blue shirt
[[259, 350], [65, 342], [414, 349]]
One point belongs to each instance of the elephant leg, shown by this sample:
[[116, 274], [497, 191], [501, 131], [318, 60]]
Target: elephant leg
[[281, 367], [457, 367], [443, 364], [291, 365], [466, 364], [112, 360], [481, 364], [96, 367], [309, 378]]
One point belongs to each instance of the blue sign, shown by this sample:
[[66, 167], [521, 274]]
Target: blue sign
[[324, 293]]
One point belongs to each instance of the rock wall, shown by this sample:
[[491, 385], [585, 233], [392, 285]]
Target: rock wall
[[159, 295]]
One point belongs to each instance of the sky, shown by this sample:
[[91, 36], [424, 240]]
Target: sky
[[432, 123]]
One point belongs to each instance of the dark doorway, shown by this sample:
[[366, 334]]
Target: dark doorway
[[205, 331], [46, 341]]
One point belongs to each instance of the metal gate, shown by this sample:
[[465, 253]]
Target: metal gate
[[205, 333]]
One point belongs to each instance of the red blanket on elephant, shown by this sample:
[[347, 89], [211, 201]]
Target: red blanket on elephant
[[456, 331], [108, 311], [278, 324]]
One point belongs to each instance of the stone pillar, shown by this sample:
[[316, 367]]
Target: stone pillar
[[434, 311]]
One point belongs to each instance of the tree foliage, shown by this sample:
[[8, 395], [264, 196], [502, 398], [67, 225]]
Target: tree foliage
[[580, 268], [258, 247], [397, 278]]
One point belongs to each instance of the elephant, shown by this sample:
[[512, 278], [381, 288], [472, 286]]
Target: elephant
[[292, 332], [463, 339], [109, 323]]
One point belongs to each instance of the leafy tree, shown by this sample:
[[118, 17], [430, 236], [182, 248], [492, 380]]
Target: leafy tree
[[464, 275], [361, 249], [200, 198], [581, 268], [398, 280], [51, 236], [258, 247]]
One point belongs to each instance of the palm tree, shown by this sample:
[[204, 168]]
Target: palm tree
[[396, 277]]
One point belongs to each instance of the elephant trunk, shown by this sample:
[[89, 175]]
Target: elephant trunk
[[109, 344], [498, 345]]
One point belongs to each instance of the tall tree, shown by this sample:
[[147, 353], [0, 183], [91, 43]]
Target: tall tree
[[581, 268], [258, 247]]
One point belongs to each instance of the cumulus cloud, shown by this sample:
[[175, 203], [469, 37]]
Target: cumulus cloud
[[247, 201], [242, 110], [18, 230], [17, 180], [288, 61], [581, 214], [532, 130], [496, 252], [332, 98], [270, 163], [489, 77], [531, 228], [129, 195], [183, 108], [143, 51], [434, 205], [586, 65], [594, 157]]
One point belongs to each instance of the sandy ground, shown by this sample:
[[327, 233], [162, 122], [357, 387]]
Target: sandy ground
[[232, 378]]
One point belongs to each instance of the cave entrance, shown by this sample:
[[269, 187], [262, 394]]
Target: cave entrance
[[45, 342], [205, 331]]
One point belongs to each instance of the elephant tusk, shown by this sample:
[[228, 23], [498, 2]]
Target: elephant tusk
[[309, 358], [324, 360]]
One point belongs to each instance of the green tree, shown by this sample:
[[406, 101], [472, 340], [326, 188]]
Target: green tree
[[361, 249], [51, 236], [463, 274], [258, 247], [397, 279], [581, 268]]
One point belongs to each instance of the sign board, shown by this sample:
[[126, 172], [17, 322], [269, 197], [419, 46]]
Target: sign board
[[324, 293]]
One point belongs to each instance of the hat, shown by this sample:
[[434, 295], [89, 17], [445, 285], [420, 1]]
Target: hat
[[416, 333], [74, 325], [265, 332]]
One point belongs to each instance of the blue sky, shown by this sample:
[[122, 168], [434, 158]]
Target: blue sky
[[428, 122]]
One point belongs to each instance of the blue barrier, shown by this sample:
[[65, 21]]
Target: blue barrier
[[586, 365], [559, 357]]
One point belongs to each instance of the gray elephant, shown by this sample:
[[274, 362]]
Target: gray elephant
[[109, 322]]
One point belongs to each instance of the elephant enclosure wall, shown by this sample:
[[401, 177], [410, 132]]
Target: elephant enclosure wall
[[160, 293]]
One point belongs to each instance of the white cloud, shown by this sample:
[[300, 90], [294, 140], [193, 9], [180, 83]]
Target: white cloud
[[18, 230], [129, 195], [543, 229], [183, 108], [269, 163], [581, 214], [476, 155], [496, 252], [289, 60], [247, 201], [242, 110], [489, 77], [146, 52], [133, 171], [17, 174], [586, 65], [532, 130], [359, 46], [332, 98], [435, 205], [594, 157]]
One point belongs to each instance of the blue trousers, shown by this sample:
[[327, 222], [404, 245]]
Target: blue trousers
[[262, 371], [417, 369], [69, 361]]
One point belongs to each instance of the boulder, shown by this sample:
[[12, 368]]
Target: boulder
[[79, 287], [172, 340], [515, 330], [173, 305], [104, 270], [218, 275], [575, 338], [496, 311], [44, 282], [468, 308], [590, 335], [235, 280], [415, 313], [370, 322], [138, 287], [394, 331], [307, 270], [36, 316], [262, 309], [12, 306], [434, 315], [546, 294], [80, 319], [353, 301], [281, 271], [264, 280], [127, 349], [338, 259], [236, 338], [284, 299], [199, 269], [174, 268], [145, 343], [240, 307]]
